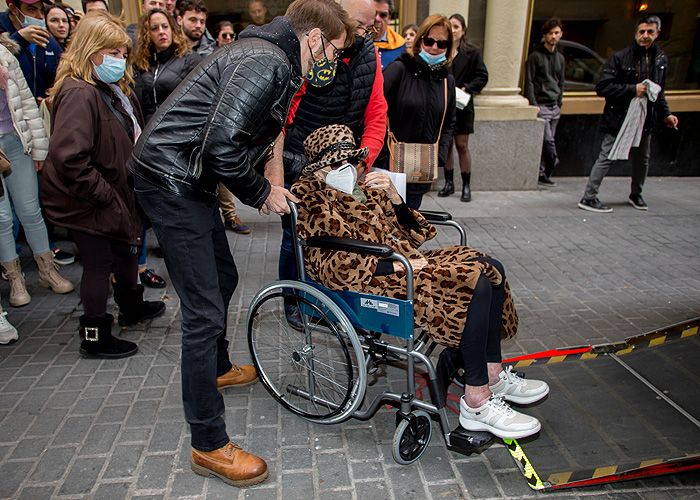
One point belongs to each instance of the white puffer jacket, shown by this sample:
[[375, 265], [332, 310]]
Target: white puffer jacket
[[23, 107]]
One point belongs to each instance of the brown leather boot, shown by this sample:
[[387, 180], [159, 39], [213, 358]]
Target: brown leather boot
[[237, 376], [18, 289], [49, 276], [231, 464]]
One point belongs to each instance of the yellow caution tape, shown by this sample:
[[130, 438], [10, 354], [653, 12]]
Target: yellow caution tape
[[525, 466]]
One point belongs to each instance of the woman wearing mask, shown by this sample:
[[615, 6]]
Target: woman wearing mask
[[58, 24], [23, 140], [87, 187], [162, 59], [471, 76], [414, 87]]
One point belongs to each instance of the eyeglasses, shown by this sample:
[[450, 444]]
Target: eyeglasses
[[226, 35], [336, 51], [429, 42], [368, 32], [383, 14]]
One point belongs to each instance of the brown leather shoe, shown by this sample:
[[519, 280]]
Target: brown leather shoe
[[237, 376], [231, 464]]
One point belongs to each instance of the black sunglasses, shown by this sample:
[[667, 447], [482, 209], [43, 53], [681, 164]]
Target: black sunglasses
[[429, 42], [227, 35]]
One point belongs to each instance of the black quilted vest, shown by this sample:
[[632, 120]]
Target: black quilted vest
[[344, 101]]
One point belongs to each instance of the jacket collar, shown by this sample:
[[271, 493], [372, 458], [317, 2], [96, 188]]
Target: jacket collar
[[279, 32]]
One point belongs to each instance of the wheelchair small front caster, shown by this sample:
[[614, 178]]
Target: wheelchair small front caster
[[412, 437]]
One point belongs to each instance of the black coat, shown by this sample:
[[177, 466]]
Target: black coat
[[165, 72], [221, 122], [469, 71], [415, 95], [621, 73]]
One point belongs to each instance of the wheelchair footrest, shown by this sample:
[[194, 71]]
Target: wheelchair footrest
[[468, 442]]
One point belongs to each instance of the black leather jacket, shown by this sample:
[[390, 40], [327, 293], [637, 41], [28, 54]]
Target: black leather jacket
[[220, 123], [621, 73]]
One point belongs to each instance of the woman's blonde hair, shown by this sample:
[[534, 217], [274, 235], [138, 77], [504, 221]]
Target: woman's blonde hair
[[96, 31], [145, 48], [429, 23]]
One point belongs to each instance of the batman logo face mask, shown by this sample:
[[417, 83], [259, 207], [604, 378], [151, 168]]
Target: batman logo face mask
[[322, 72]]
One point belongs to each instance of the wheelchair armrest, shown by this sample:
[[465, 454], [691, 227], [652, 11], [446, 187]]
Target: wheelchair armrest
[[349, 245], [432, 216]]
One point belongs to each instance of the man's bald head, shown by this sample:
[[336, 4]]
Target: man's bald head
[[360, 10]]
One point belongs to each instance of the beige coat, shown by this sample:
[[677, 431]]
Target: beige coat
[[23, 107]]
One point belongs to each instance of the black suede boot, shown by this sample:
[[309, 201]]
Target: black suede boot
[[97, 340], [449, 362], [449, 187], [466, 190], [132, 308]]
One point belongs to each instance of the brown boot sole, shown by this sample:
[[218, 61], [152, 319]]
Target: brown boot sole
[[203, 471], [255, 380]]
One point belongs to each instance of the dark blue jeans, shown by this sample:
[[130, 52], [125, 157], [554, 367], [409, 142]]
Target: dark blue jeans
[[201, 267]]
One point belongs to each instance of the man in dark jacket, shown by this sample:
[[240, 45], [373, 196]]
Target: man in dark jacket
[[39, 52], [355, 98], [192, 18], [544, 88], [622, 80], [223, 124]]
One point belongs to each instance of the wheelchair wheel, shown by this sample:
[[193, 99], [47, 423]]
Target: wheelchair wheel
[[313, 367], [411, 438]]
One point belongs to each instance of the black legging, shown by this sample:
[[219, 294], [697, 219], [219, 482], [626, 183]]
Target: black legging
[[481, 338], [101, 257]]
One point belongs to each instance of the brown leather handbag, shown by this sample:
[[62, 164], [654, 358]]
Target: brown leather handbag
[[418, 161], [4, 162]]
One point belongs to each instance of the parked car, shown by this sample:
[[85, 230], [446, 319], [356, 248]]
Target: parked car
[[583, 66]]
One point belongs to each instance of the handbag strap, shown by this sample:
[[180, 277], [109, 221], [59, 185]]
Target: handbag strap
[[444, 114]]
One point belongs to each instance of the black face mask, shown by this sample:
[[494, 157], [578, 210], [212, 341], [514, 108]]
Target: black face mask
[[322, 72]]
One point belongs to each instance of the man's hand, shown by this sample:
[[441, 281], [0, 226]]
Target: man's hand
[[671, 121], [35, 34], [276, 201], [641, 89], [381, 181]]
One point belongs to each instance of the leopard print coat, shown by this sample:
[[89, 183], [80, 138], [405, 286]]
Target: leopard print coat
[[443, 288]]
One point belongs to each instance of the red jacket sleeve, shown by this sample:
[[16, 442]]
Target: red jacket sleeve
[[296, 100], [375, 116]]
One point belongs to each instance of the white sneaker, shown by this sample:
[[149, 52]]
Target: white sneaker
[[517, 389], [8, 333], [496, 417]]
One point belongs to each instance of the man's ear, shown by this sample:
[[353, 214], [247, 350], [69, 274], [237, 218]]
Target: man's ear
[[178, 20]]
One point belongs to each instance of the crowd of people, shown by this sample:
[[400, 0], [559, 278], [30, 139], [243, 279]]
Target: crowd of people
[[162, 124]]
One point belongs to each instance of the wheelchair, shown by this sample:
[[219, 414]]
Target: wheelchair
[[320, 369]]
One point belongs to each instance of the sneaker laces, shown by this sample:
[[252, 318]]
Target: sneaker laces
[[498, 404], [3, 321], [512, 377]]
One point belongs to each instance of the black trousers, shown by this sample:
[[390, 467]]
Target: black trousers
[[481, 338], [201, 267], [101, 257]]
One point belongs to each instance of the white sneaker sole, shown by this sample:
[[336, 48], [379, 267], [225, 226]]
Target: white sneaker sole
[[596, 210], [473, 425], [637, 206], [525, 400]]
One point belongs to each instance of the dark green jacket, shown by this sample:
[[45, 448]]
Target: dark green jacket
[[544, 76]]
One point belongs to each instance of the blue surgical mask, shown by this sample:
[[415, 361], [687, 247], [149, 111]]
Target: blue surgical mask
[[111, 70], [32, 21], [432, 60]]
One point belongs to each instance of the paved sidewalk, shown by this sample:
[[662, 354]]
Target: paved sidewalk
[[75, 428]]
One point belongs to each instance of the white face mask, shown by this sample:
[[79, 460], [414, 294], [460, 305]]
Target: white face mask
[[343, 178]]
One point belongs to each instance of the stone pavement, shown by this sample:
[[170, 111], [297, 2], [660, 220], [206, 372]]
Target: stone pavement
[[75, 428]]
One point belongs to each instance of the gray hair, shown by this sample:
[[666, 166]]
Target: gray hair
[[650, 19]]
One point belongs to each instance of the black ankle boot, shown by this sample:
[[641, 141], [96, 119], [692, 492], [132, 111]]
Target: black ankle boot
[[449, 184], [132, 308], [97, 340], [466, 190], [449, 362]]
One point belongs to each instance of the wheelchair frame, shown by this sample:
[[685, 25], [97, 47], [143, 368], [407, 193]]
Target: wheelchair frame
[[414, 415]]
